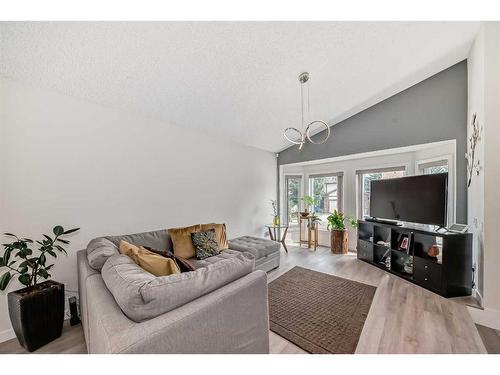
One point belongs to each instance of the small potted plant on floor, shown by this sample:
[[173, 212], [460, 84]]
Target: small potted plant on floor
[[36, 311], [338, 232], [308, 203]]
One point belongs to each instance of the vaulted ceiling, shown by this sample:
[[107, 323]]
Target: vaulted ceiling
[[237, 80]]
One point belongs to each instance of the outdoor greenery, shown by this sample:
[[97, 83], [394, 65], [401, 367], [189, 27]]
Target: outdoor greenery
[[371, 177], [321, 192], [293, 199], [309, 201], [337, 221], [19, 259]]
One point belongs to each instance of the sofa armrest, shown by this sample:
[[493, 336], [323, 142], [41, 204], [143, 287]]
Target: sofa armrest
[[231, 319]]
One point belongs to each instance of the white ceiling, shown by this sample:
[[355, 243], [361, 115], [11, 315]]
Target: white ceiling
[[235, 79]]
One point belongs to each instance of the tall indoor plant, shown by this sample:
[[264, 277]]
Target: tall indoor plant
[[338, 232], [36, 311]]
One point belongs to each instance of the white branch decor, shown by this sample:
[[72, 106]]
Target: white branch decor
[[473, 165]]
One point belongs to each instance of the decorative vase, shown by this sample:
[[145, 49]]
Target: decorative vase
[[433, 251], [37, 314], [408, 266], [339, 241], [276, 220]]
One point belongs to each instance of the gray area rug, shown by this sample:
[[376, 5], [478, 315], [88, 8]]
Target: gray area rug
[[318, 312]]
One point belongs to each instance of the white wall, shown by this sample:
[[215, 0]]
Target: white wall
[[71, 162], [484, 202], [492, 166], [475, 192], [407, 157]]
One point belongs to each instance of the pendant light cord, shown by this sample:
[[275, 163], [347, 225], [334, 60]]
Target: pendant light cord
[[302, 105]]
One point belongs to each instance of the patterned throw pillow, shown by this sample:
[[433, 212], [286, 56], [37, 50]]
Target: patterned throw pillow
[[205, 244]]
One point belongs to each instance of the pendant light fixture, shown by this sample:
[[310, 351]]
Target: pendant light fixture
[[300, 137]]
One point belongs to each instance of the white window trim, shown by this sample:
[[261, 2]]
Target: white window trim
[[452, 185], [359, 182]]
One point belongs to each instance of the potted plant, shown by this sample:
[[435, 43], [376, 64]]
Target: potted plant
[[308, 203], [276, 217], [338, 233], [313, 221], [36, 311]]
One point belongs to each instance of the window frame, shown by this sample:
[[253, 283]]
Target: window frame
[[359, 183], [340, 186], [286, 177], [420, 164]]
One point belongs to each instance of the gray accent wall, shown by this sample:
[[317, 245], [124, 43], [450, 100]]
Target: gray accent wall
[[430, 111]]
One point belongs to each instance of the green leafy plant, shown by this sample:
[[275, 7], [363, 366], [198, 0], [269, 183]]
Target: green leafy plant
[[309, 201], [20, 260], [337, 221], [313, 220]]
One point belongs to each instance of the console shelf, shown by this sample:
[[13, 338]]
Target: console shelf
[[449, 274]]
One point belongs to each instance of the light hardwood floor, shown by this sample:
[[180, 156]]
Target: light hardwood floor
[[403, 318]]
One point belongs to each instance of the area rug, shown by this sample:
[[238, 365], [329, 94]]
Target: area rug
[[320, 313]]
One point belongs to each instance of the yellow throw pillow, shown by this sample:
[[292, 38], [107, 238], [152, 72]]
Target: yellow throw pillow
[[181, 239], [220, 234], [149, 261]]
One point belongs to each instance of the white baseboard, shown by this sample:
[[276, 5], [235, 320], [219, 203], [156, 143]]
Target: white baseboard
[[487, 317], [7, 335]]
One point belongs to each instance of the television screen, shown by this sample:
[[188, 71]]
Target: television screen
[[416, 199]]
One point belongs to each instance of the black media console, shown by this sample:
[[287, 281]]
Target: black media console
[[448, 274]]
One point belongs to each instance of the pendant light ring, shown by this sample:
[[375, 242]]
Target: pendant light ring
[[308, 132], [294, 140]]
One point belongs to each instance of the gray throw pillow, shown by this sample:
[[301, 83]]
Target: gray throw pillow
[[205, 244]]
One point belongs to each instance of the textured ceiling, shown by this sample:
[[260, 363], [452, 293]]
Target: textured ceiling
[[234, 79]]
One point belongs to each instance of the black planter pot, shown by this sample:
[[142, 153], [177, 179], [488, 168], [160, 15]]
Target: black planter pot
[[37, 315]]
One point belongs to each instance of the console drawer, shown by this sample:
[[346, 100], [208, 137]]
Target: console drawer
[[365, 250], [427, 273]]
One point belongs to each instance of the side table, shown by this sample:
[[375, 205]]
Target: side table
[[312, 234], [274, 234]]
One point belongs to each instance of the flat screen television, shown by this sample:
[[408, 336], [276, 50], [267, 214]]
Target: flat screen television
[[417, 199]]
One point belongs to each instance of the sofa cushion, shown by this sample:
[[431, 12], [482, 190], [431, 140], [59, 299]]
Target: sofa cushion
[[226, 254], [98, 252], [158, 239], [149, 261], [259, 247], [142, 296]]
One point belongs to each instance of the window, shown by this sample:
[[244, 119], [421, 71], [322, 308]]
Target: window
[[434, 167], [292, 207], [364, 179], [327, 192]]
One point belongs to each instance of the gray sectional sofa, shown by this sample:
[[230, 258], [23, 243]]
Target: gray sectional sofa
[[221, 307]]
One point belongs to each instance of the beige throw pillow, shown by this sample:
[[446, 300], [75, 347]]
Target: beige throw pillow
[[149, 261], [181, 239]]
